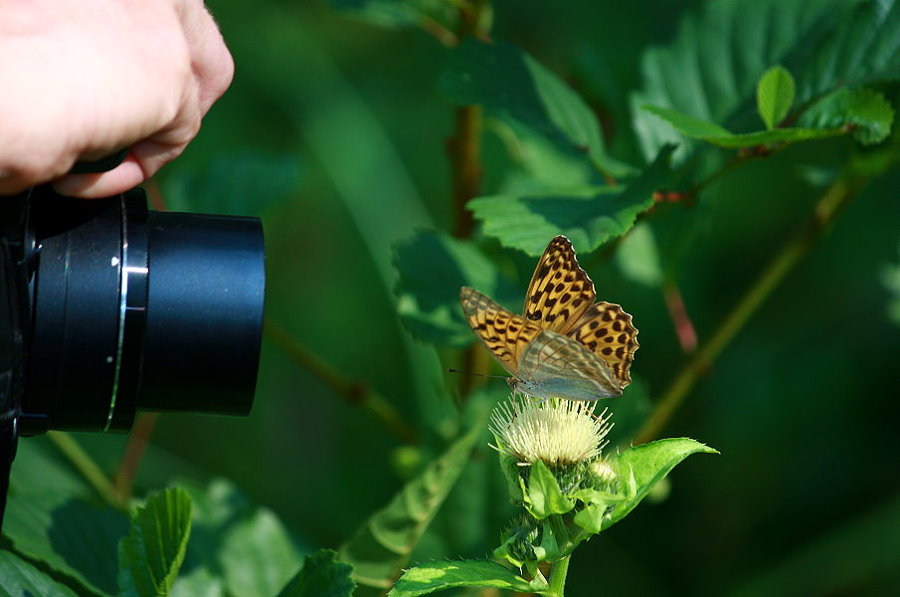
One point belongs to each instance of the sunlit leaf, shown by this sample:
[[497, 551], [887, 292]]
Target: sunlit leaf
[[713, 133], [589, 216], [644, 466], [152, 553], [543, 497], [711, 75], [774, 96], [423, 580], [380, 548]]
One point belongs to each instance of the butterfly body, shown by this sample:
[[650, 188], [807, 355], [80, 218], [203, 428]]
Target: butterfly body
[[564, 345]]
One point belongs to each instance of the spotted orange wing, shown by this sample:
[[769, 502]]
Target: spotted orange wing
[[505, 334], [607, 331], [560, 291]]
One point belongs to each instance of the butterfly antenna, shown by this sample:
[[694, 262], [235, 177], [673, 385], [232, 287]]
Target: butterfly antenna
[[476, 374]]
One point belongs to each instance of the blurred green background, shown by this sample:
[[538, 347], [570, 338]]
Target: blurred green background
[[335, 134]]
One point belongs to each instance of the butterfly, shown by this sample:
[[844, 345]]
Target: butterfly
[[564, 345]]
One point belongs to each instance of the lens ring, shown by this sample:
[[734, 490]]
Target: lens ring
[[133, 277]]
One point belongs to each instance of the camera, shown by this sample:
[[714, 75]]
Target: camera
[[108, 307]]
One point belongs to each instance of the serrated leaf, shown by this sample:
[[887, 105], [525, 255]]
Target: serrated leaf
[[380, 548], [710, 69], [433, 266], [437, 576], [72, 535], [512, 85], [589, 216], [713, 133], [543, 497], [152, 553], [258, 556], [641, 467], [868, 113], [19, 577], [774, 96]]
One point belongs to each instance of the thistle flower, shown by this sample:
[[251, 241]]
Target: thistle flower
[[557, 432]]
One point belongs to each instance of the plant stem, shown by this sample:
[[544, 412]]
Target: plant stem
[[837, 196], [465, 161], [85, 465], [464, 146], [355, 392], [558, 576], [134, 452]]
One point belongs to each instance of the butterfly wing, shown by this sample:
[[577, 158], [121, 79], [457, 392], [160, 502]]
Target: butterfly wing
[[608, 332], [504, 333], [560, 291], [556, 366]]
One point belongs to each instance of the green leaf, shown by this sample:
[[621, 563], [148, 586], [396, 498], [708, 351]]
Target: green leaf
[[321, 576], [865, 111], [513, 86], [433, 266], [710, 68], [713, 133], [72, 535], [423, 580], [590, 518], [544, 497], [774, 96], [235, 184], [381, 547], [641, 467], [152, 553], [589, 216], [19, 577], [258, 556]]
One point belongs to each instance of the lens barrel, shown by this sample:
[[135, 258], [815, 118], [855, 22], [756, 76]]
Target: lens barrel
[[135, 309]]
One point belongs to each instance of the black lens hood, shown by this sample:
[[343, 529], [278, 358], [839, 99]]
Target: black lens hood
[[136, 309]]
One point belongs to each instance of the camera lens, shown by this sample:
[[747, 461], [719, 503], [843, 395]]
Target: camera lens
[[136, 309]]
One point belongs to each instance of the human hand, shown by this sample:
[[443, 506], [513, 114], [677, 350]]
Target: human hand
[[84, 79]]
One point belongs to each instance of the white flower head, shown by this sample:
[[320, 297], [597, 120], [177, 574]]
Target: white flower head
[[557, 432]]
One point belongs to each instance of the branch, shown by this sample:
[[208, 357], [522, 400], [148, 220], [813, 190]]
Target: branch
[[85, 465], [836, 197], [123, 481], [355, 392]]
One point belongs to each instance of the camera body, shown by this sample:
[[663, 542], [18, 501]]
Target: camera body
[[107, 308]]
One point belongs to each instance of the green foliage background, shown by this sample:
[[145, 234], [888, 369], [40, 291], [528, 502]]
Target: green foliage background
[[335, 133]]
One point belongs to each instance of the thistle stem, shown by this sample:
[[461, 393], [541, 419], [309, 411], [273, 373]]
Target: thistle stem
[[558, 576]]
